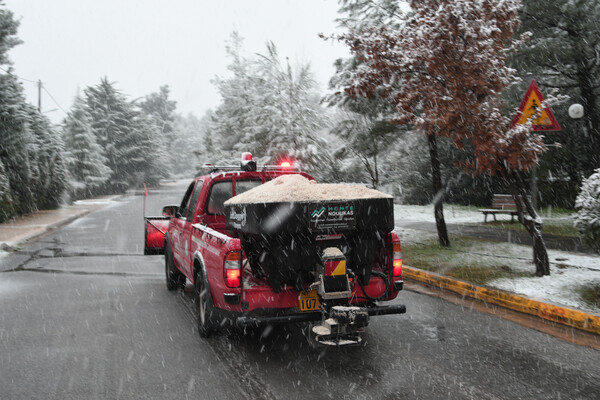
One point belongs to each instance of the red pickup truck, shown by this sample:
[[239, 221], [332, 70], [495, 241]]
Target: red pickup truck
[[334, 275]]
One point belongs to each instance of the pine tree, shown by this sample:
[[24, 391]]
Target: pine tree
[[233, 122], [17, 145], [15, 138], [84, 157], [292, 117], [130, 139], [269, 109], [161, 112], [189, 133], [30, 149], [51, 174], [8, 33], [145, 151], [110, 115], [7, 206]]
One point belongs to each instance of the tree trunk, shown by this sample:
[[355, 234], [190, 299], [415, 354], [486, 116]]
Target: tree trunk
[[530, 220], [591, 117], [438, 191]]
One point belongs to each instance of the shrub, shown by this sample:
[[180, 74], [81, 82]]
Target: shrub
[[588, 210]]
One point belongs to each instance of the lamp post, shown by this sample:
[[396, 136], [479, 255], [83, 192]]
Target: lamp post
[[576, 112]]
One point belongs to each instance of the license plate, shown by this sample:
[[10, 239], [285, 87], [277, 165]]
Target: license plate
[[309, 301]]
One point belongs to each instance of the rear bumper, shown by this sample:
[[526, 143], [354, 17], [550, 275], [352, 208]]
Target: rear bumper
[[294, 317]]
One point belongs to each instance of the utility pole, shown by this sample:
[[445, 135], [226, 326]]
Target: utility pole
[[40, 95]]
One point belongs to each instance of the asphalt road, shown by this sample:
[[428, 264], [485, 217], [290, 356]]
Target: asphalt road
[[84, 315]]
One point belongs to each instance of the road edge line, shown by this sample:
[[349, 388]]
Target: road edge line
[[559, 314]]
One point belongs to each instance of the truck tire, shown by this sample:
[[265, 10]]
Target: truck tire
[[205, 309], [175, 279]]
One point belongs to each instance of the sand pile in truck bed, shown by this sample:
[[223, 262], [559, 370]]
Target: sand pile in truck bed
[[295, 188]]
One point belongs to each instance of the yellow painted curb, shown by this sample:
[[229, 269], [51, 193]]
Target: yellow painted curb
[[562, 315]]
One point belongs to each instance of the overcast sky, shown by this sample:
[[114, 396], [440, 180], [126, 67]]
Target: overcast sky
[[143, 44]]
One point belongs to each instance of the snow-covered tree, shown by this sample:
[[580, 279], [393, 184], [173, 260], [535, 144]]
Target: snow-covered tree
[[161, 111], [7, 206], [130, 139], [51, 172], [145, 151], [588, 210], [188, 145], [8, 33], [17, 144], [443, 68], [363, 125], [110, 114], [269, 109], [366, 139], [85, 159]]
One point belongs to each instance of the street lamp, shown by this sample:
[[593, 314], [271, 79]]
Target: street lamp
[[576, 112]]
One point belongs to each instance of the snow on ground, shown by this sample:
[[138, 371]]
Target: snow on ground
[[93, 202], [568, 271], [452, 214], [457, 214], [560, 287]]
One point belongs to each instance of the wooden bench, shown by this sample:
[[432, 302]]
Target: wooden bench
[[501, 204]]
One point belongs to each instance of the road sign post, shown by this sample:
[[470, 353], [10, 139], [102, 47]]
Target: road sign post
[[532, 108]]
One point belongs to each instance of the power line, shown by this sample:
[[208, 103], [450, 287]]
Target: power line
[[20, 77], [53, 99], [38, 82]]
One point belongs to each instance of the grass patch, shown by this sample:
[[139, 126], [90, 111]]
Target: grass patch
[[481, 275], [462, 260], [591, 295]]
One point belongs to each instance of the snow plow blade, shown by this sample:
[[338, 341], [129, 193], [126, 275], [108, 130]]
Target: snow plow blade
[[154, 234]]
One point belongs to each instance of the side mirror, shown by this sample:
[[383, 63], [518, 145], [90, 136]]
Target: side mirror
[[169, 211]]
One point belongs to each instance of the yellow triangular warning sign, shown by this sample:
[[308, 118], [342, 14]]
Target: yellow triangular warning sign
[[532, 106]]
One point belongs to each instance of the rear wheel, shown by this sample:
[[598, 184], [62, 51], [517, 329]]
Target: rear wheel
[[205, 310], [175, 279]]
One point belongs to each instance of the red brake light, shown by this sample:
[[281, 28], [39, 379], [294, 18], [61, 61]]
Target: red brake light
[[285, 164], [233, 269], [396, 260], [397, 268], [232, 278]]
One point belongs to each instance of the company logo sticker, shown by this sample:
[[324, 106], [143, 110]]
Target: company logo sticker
[[318, 213]]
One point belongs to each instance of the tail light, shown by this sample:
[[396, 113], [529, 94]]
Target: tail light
[[233, 269], [396, 260], [285, 164]]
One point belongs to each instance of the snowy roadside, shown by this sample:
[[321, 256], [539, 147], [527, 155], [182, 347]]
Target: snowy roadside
[[456, 214], [568, 271]]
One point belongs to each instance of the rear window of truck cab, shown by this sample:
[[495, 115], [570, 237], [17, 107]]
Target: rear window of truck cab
[[222, 191]]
